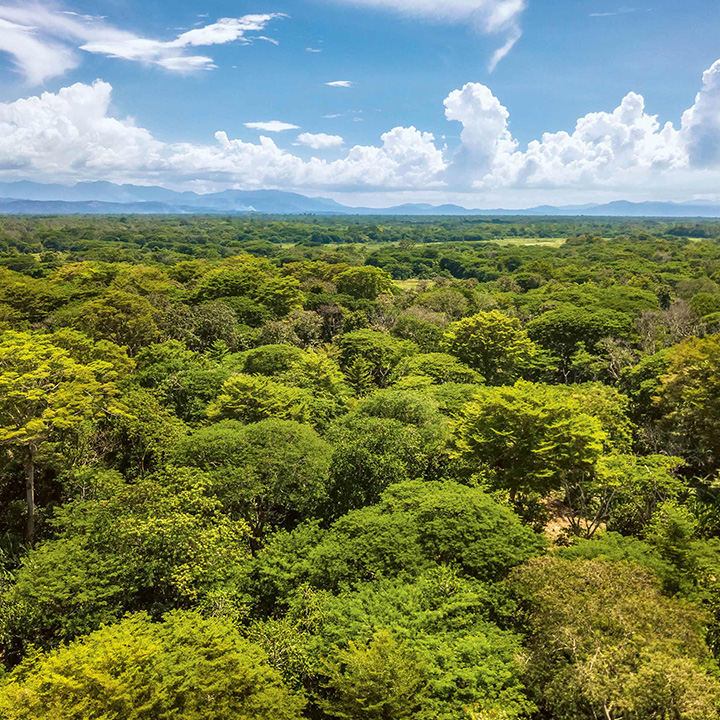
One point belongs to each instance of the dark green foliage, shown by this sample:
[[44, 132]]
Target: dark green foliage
[[271, 473], [414, 526]]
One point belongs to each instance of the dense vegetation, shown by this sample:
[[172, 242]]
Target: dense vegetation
[[369, 469]]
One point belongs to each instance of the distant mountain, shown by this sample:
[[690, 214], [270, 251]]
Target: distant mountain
[[105, 198]]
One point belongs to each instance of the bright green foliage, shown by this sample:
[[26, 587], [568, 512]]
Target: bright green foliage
[[251, 398], [440, 620], [622, 492], [492, 343], [366, 282], [43, 390], [528, 436], [611, 408], [46, 395], [704, 304], [380, 679], [270, 473], [604, 642], [641, 485], [121, 317], [410, 408], [439, 367], [381, 351], [615, 547], [268, 359], [184, 668], [690, 397], [281, 295], [155, 544]]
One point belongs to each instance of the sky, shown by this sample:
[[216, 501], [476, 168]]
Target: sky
[[486, 103]]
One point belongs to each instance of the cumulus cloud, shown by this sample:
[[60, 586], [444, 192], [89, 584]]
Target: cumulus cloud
[[72, 135], [320, 141], [491, 17], [340, 83], [44, 42], [701, 123], [271, 126], [55, 133]]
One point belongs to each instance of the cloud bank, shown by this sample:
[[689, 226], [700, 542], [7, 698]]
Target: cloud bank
[[72, 135]]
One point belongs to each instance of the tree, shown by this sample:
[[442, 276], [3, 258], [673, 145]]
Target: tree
[[159, 543], [439, 367], [378, 680], [415, 526], [122, 317], [689, 397], [439, 621], [621, 491], [372, 453], [251, 398], [381, 351], [492, 343], [47, 396], [366, 282], [186, 668], [604, 643], [562, 329], [270, 473], [529, 436]]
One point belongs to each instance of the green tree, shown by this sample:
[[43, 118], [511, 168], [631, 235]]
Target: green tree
[[155, 544], [492, 343], [689, 397], [439, 367], [382, 679], [380, 350], [251, 398], [271, 473], [184, 668], [47, 396], [415, 527], [604, 643], [121, 317], [529, 436], [366, 282]]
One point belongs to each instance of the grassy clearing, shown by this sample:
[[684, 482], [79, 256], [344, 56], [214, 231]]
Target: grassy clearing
[[548, 242]]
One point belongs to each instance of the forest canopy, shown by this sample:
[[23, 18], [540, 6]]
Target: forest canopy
[[361, 468]]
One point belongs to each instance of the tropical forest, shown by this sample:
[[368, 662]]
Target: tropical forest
[[368, 468]]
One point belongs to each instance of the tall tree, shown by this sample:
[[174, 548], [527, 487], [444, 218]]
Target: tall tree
[[46, 395]]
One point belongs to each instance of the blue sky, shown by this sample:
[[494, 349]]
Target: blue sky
[[155, 116]]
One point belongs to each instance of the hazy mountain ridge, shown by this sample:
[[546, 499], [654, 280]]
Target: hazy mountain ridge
[[105, 198]]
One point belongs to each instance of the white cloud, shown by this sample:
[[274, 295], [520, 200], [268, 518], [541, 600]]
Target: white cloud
[[340, 83], [59, 134], [320, 141], [70, 135], [490, 17], [312, 50], [624, 152], [44, 42], [619, 147], [701, 123], [271, 126]]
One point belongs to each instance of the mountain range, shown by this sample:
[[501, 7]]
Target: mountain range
[[105, 198]]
